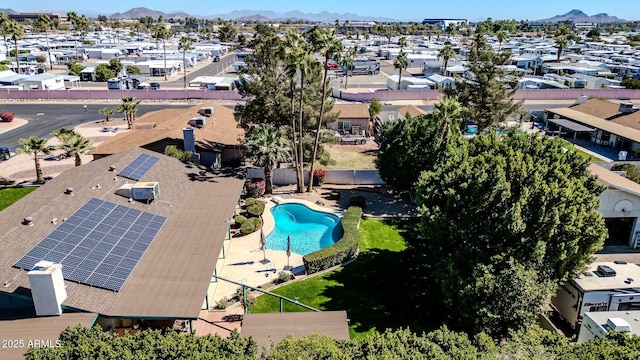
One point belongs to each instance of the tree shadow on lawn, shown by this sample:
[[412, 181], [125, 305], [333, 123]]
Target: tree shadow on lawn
[[386, 289]]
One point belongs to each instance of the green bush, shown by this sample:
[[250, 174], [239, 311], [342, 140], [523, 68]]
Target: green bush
[[250, 201], [247, 227], [240, 220], [257, 208], [344, 249], [633, 172], [257, 223]]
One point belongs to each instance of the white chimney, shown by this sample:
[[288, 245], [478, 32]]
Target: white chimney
[[189, 139], [47, 288]]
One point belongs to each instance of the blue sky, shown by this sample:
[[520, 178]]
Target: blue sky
[[408, 10]]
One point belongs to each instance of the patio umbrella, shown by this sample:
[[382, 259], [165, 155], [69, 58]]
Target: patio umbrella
[[288, 250], [263, 247]]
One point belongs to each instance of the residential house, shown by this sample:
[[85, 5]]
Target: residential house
[[44, 81], [352, 119]]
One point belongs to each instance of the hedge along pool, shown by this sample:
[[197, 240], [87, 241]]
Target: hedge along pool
[[310, 230]]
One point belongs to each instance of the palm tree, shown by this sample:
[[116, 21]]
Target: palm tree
[[326, 44], [17, 32], [448, 110], [401, 63], [4, 23], [75, 145], [562, 35], [268, 146], [346, 62], [34, 146], [502, 36], [129, 107], [106, 112], [402, 42], [46, 23], [446, 53], [161, 32], [184, 45], [74, 19]]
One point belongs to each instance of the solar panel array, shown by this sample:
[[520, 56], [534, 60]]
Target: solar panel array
[[99, 245], [138, 167]]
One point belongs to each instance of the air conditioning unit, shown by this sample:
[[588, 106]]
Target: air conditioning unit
[[618, 324], [198, 122], [627, 108], [145, 190]]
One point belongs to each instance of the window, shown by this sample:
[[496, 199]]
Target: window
[[344, 125]]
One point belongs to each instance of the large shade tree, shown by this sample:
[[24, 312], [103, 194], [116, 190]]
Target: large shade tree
[[505, 221], [36, 146], [487, 85], [268, 146]]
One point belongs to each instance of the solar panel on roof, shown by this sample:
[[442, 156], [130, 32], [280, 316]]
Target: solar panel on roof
[[99, 245], [138, 167]]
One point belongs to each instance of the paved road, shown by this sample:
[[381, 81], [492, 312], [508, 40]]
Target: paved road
[[213, 69], [44, 118]]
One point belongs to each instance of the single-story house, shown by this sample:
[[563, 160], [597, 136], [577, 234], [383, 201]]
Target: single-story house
[[352, 119], [44, 81]]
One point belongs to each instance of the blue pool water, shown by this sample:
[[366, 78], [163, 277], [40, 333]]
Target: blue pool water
[[473, 130], [310, 230]]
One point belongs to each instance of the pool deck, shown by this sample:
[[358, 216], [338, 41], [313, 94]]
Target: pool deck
[[243, 259]]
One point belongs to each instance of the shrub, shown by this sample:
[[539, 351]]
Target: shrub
[[358, 200], [318, 176], [283, 277], [247, 227], [133, 70], [256, 209], [240, 220], [344, 249], [184, 156], [6, 116], [251, 300], [254, 188], [250, 201], [221, 304], [257, 223], [633, 172]]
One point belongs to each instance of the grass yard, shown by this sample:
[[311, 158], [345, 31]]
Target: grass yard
[[10, 195], [351, 156], [585, 155], [373, 289]]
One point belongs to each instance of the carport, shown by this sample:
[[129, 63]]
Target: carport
[[571, 125]]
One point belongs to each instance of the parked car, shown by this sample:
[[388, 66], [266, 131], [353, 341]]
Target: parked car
[[5, 154], [216, 58], [331, 64], [154, 85]]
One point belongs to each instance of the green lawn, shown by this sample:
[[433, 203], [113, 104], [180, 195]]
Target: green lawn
[[585, 155], [10, 195], [373, 289], [350, 157]]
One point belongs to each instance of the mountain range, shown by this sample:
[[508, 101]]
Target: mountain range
[[579, 16]]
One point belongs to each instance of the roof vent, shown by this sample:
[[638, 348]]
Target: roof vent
[[69, 191], [620, 262], [618, 324], [606, 271], [627, 108], [112, 168], [28, 221]]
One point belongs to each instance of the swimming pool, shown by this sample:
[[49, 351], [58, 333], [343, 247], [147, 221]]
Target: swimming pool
[[310, 230], [473, 130]]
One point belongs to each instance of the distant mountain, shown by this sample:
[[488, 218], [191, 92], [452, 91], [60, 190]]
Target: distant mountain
[[141, 12], [8, 11], [579, 16], [263, 15]]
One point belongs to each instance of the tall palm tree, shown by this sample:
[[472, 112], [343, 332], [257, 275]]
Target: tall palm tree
[[74, 19], [502, 36], [4, 22], [401, 62], [161, 32], [268, 146], [326, 44], [45, 21], [17, 32], [449, 111], [346, 61], [129, 107], [446, 53], [184, 45], [34, 146], [402, 42], [106, 112], [562, 35], [75, 145]]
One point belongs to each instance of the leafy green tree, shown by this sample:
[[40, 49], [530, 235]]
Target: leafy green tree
[[129, 108], [17, 32], [401, 62], [133, 70], [268, 146], [115, 65], [505, 221], [104, 73], [633, 172], [184, 45], [486, 86], [75, 68], [242, 39], [227, 32], [34, 146], [312, 347], [184, 156], [630, 83], [446, 53], [325, 42], [375, 108], [76, 145]]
